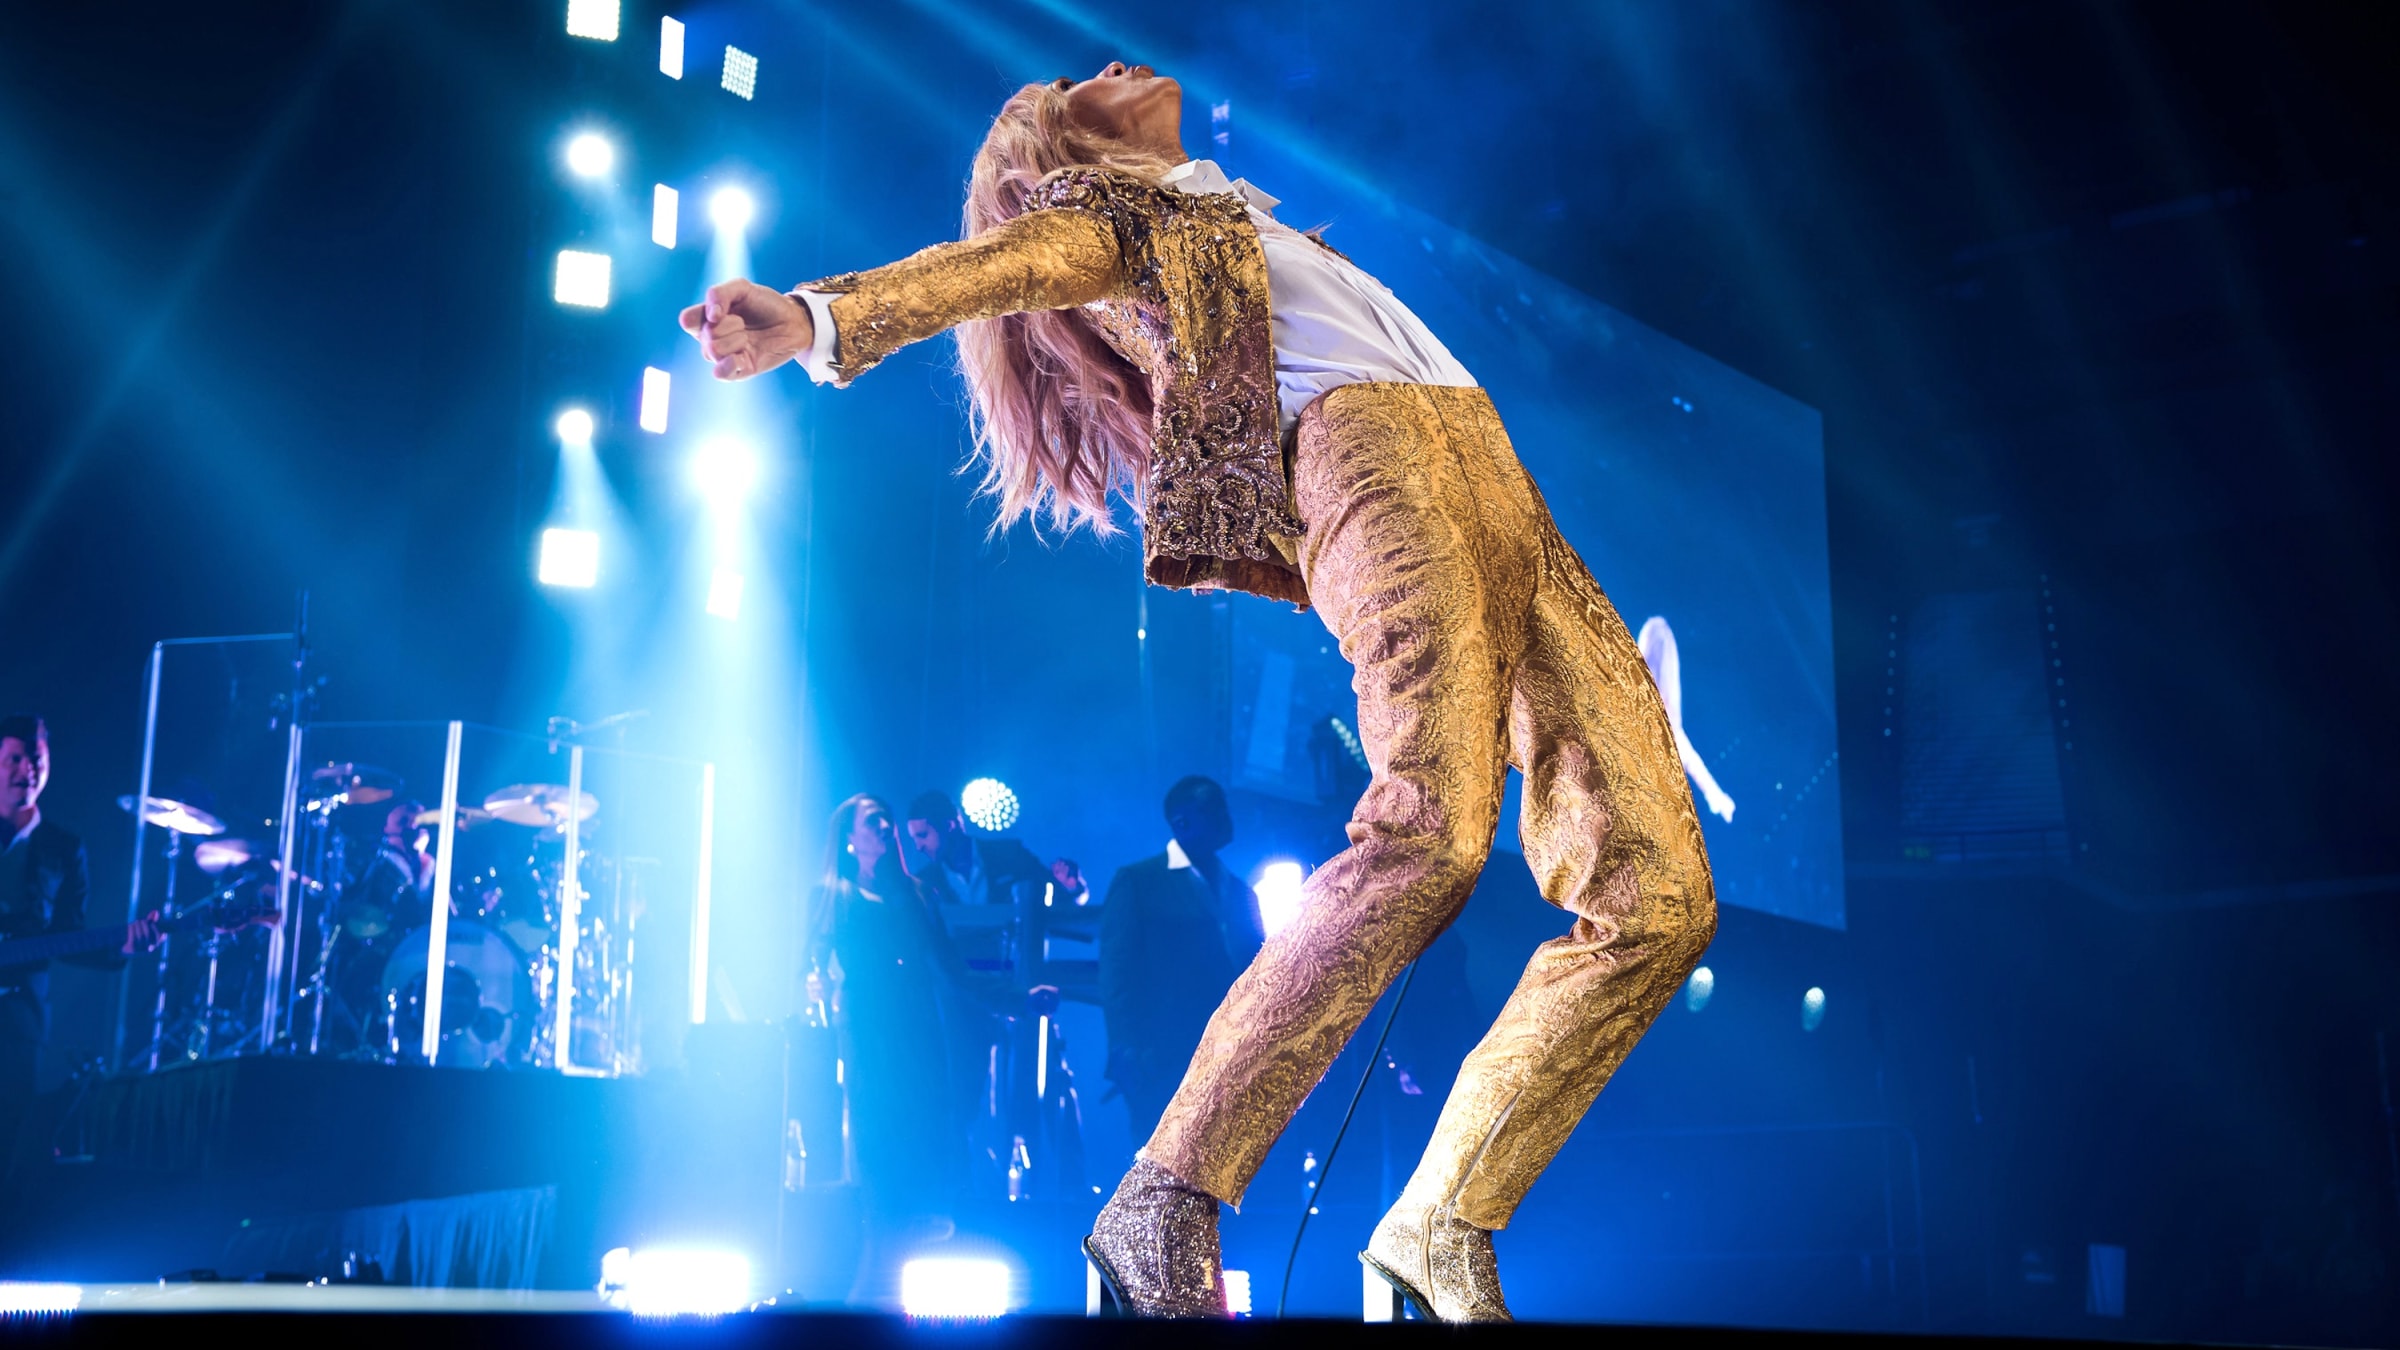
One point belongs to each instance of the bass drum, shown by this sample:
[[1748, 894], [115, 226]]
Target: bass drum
[[488, 1007]]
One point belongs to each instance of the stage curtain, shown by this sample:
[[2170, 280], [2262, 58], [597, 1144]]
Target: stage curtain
[[489, 1240]]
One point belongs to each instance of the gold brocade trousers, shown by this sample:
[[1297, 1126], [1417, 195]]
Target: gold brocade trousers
[[1480, 641]]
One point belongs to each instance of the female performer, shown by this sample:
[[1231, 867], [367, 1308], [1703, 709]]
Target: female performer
[[877, 949], [1130, 320]]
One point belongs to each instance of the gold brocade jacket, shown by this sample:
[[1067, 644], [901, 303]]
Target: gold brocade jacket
[[1177, 283]]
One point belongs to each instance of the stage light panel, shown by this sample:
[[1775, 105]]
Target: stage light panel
[[570, 558], [988, 804], [741, 73], [663, 205], [1278, 888], [670, 47], [1699, 989], [724, 470], [731, 209], [1812, 1009], [25, 1298], [654, 400], [1237, 1292], [590, 155], [725, 593], [574, 427], [675, 1283], [582, 279], [596, 19], [954, 1287]]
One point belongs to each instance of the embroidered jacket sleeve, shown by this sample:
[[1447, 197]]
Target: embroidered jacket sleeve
[[1048, 259]]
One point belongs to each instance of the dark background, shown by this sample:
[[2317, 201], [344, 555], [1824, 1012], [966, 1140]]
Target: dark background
[[2098, 303]]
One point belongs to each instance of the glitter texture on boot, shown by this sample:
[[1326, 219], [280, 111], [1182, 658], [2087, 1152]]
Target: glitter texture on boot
[[1442, 1261], [1156, 1244]]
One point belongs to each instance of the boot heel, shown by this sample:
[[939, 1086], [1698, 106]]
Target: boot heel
[[1382, 1298], [1100, 1296]]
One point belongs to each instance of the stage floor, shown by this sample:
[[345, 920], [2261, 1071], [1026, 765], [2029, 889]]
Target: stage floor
[[347, 1316]]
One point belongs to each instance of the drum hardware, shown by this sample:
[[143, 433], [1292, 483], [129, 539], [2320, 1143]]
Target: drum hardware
[[431, 817], [489, 1010], [351, 784], [174, 816], [364, 994], [178, 819], [216, 855], [540, 805]]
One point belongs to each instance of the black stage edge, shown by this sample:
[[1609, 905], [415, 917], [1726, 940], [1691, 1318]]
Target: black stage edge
[[854, 1332], [188, 1168]]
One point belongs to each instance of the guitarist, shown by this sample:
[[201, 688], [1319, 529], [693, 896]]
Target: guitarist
[[44, 880]]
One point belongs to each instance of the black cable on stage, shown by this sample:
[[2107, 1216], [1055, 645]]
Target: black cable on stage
[[1325, 1172]]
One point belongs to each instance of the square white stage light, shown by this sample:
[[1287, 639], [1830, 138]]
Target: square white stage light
[[570, 558], [954, 1287], [654, 400], [592, 19], [670, 48], [741, 73], [582, 279], [664, 203], [725, 593]]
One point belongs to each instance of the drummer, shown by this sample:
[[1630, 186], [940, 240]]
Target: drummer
[[397, 885]]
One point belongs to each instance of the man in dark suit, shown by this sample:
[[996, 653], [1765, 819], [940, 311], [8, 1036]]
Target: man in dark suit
[[1176, 931], [45, 880], [965, 870]]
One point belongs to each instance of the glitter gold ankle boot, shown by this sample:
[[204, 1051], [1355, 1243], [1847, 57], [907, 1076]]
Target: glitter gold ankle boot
[[1154, 1247], [1440, 1263]]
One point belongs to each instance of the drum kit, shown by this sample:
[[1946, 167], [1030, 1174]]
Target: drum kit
[[362, 935]]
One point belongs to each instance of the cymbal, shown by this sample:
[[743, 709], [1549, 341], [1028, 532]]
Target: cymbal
[[215, 855], [431, 818], [542, 805], [181, 817], [363, 784]]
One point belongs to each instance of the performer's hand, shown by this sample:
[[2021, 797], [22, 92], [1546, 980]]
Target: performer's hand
[[142, 934], [745, 328]]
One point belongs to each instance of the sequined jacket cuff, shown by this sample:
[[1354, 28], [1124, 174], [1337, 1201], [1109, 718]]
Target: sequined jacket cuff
[[1052, 259]]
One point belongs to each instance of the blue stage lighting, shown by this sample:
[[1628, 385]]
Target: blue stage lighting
[[595, 19], [663, 204], [574, 427], [731, 209], [670, 48], [654, 400], [582, 279], [725, 593], [30, 1299], [954, 1287], [1699, 989], [1812, 1009], [988, 804], [741, 73], [590, 155], [570, 558], [724, 470], [1278, 887], [670, 1283]]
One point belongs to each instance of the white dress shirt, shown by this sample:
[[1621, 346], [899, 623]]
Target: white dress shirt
[[1332, 323]]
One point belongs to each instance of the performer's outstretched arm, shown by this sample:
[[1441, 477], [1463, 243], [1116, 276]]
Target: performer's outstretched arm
[[1050, 259]]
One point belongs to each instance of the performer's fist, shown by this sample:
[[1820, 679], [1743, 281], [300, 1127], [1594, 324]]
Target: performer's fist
[[745, 328]]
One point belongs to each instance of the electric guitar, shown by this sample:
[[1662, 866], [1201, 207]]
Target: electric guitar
[[227, 914]]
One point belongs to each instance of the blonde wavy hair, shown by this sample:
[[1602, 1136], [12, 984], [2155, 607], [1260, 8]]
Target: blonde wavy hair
[[1060, 418]]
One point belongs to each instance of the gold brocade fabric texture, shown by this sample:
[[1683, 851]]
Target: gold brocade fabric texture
[[1480, 640], [1177, 283]]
